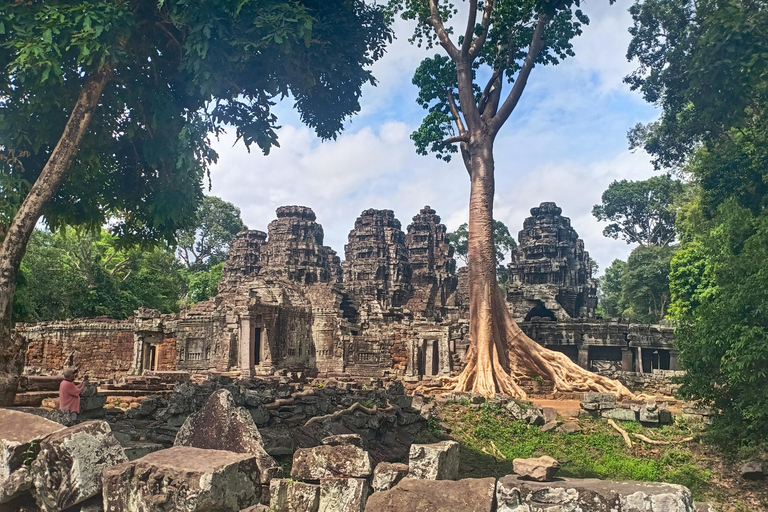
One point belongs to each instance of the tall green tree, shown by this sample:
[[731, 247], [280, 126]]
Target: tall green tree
[[640, 212], [645, 283], [82, 274], [206, 242], [706, 65], [107, 107], [609, 296], [501, 40], [503, 241]]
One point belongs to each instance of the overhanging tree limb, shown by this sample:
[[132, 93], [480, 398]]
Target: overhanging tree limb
[[522, 77]]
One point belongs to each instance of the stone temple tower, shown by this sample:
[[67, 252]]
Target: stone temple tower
[[550, 275]]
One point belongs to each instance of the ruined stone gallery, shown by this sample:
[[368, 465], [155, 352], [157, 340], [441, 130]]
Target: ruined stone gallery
[[396, 307]]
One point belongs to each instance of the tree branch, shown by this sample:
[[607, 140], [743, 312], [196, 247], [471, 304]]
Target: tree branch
[[470, 31], [455, 112], [454, 140], [442, 34], [484, 97], [478, 43], [522, 78]]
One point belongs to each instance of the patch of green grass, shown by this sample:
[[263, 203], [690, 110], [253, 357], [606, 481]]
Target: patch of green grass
[[596, 452]]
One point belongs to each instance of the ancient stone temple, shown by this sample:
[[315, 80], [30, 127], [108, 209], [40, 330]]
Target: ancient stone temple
[[377, 267], [550, 275], [395, 307], [432, 265]]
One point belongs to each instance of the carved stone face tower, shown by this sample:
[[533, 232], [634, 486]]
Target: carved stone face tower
[[376, 266], [295, 249], [244, 257], [550, 274], [431, 257]]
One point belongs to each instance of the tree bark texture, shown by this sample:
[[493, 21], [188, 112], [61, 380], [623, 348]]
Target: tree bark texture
[[15, 243], [500, 355]]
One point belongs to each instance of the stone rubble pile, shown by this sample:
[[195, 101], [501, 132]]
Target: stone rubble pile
[[651, 414]]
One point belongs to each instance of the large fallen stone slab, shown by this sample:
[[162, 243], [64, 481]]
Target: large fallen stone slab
[[221, 425], [18, 430], [341, 461], [343, 495], [467, 495], [184, 479], [541, 469], [437, 461], [68, 468], [514, 494]]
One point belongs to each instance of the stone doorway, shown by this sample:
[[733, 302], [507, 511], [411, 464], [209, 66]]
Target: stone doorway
[[257, 346]]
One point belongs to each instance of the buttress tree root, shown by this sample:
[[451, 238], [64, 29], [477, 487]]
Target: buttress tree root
[[501, 355]]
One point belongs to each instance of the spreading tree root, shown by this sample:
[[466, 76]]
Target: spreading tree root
[[357, 406], [501, 355]]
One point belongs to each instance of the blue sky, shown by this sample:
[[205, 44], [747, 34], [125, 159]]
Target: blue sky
[[565, 142]]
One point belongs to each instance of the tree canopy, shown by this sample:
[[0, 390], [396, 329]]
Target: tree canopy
[[705, 64], [180, 71], [71, 274], [206, 242], [640, 212], [503, 241]]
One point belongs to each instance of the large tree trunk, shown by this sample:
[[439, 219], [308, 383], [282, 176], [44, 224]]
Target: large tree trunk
[[16, 238], [500, 354]]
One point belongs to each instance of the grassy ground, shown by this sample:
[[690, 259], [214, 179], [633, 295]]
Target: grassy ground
[[490, 439]]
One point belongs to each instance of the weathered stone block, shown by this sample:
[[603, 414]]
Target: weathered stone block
[[752, 470], [343, 494], [467, 495], [305, 497], [344, 439], [387, 474], [514, 494], [620, 414], [541, 469], [438, 461], [68, 468], [15, 485], [221, 425], [606, 400], [18, 430], [569, 427], [345, 461], [280, 494], [183, 478], [648, 416]]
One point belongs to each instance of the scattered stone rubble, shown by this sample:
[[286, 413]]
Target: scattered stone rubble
[[338, 463], [604, 405]]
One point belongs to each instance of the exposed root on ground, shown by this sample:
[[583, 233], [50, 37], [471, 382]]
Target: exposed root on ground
[[657, 442], [501, 355], [623, 433], [357, 406]]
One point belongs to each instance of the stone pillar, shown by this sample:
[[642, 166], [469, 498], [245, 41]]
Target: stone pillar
[[584, 356], [412, 369], [626, 359], [445, 356], [137, 365], [674, 364], [639, 360], [247, 357], [429, 355]]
